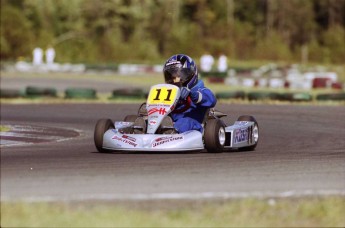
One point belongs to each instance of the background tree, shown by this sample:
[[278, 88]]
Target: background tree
[[16, 36], [113, 31]]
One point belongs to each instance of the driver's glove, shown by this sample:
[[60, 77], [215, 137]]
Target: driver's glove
[[196, 96], [184, 93]]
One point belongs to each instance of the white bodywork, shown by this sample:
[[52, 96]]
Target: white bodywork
[[161, 101], [191, 140], [241, 134]]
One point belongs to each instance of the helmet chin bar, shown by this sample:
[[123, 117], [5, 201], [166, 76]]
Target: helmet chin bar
[[178, 84]]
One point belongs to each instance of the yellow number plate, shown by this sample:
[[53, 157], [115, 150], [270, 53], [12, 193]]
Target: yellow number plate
[[162, 95]]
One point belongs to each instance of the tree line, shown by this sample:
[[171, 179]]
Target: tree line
[[112, 31]]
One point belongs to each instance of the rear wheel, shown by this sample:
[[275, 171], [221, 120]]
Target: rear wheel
[[167, 126], [102, 126], [129, 118], [214, 135], [142, 110], [139, 126], [254, 132]]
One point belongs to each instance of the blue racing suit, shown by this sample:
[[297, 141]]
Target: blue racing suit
[[189, 114]]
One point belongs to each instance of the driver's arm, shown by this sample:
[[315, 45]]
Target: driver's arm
[[203, 97]]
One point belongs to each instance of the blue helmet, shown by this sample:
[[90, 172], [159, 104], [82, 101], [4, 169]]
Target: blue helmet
[[181, 71]]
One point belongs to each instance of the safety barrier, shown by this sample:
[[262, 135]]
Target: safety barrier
[[11, 93], [295, 97], [261, 95], [134, 93], [231, 95], [36, 92], [80, 93], [138, 93], [331, 97]]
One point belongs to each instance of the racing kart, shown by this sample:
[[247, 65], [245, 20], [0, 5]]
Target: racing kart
[[151, 129]]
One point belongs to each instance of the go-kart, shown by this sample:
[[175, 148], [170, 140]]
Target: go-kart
[[151, 129]]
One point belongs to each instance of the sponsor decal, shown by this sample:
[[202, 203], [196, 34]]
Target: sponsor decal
[[126, 139], [241, 135], [129, 138], [122, 124], [161, 111], [125, 123], [158, 105], [152, 122], [167, 139]]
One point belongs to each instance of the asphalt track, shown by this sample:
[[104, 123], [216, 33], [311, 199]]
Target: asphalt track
[[301, 152]]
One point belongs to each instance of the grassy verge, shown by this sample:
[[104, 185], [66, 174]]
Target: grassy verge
[[140, 80], [4, 128], [104, 99], [281, 212]]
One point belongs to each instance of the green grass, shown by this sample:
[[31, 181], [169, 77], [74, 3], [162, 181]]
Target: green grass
[[281, 212], [4, 128], [140, 80]]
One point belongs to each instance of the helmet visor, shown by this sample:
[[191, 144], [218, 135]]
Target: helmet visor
[[176, 76]]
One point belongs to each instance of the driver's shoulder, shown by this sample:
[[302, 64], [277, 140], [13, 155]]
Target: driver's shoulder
[[199, 85]]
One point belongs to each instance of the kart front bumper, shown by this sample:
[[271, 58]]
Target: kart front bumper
[[187, 141]]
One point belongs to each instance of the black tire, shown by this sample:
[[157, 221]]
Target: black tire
[[274, 96], [295, 97], [331, 97], [10, 93], [80, 93], [256, 125], [33, 92], [142, 111], [135, 93], [214, 129], [300, 97], [130, 118], [259, 96], [139, 126], [102, 126], [231, 95]]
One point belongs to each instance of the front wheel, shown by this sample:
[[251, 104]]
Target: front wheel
[[102, 126], [214, 136], [254, 132]]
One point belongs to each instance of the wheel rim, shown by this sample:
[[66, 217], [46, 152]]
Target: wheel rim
[[221, 136], [256, 133]]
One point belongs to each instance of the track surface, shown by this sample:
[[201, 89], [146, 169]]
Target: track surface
[[301, 151]]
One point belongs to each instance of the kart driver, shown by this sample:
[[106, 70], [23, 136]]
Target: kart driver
[[195, 99]]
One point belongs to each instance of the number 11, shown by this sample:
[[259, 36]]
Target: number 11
[[159, 92]]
